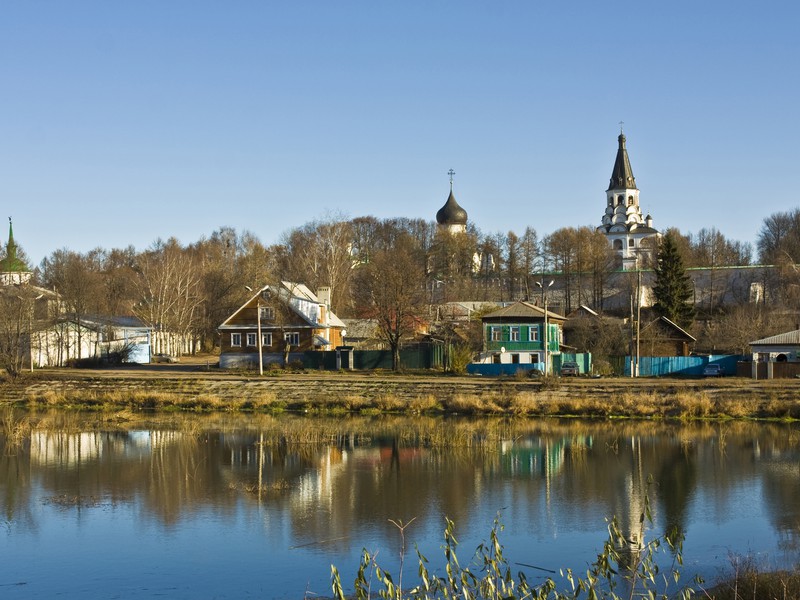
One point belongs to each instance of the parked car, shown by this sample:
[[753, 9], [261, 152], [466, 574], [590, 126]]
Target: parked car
[[570, 368], [164, 358], [713, 371]]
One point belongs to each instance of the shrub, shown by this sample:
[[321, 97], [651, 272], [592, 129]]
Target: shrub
[[460, 357], [490, 574]]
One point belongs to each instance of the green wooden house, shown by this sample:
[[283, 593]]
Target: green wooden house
[[515, 334]]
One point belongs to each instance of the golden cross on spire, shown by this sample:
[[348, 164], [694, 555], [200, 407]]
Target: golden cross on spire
[[451, 173]]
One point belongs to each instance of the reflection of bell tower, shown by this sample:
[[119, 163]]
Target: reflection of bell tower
[[451, 217], [631, 509], [623, 223]]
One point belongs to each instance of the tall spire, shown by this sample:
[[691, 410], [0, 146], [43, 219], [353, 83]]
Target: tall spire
[[11, 248], [622, 176], [11, 263]]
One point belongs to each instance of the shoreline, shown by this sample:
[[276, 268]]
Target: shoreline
[[196, 388]]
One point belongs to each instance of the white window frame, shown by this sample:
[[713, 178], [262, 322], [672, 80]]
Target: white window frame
[[533, 333], [496, 334], [513, 333], [293, 337], [252, 339], [267, 313], [236, 340], [266, 339]]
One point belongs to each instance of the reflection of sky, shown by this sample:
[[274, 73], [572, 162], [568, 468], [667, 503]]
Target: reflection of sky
[[214, 540]]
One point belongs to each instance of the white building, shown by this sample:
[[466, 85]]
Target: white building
[[627, 230]]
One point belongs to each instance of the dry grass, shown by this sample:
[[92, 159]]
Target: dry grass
[[473, 404], [608, 398], [746, 581], [15, 430], [693, 404]]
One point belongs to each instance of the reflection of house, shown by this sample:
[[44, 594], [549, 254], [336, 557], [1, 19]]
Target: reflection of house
[[289, 317], [515, 334], [663, 337]]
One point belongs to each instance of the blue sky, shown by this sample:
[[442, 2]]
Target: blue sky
[[122, 122]]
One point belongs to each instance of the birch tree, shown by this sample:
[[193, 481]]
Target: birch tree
[[168, 279]]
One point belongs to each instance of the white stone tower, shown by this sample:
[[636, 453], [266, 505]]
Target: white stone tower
[[623, 223]]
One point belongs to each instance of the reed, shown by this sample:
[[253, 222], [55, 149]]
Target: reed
[[677, 399]]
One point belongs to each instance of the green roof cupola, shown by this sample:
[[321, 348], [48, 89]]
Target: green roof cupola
[[13, 268]]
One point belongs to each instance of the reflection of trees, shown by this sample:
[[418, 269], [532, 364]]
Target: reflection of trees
[[341, 477]]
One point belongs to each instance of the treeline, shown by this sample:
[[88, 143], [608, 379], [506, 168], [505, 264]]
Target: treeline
[[190, 289]]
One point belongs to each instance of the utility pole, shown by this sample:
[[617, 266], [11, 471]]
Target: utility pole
[[638, 316], [545, 336]]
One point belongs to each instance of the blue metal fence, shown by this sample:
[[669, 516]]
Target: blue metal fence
[[654, 366]]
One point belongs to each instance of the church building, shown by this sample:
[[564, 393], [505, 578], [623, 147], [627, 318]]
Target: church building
[[630, 234]]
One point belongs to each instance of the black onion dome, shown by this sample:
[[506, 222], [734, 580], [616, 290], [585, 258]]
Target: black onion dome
[[451, 213]]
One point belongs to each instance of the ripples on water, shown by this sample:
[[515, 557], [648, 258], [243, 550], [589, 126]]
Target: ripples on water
[[260, 506]]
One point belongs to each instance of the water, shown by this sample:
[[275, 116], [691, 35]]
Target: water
[[260, 507]]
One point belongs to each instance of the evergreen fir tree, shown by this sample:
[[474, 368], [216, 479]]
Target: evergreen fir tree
[[672, 288]]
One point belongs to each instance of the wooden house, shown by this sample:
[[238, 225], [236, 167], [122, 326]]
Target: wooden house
[[290, 319], [515, 334], [663, 337]]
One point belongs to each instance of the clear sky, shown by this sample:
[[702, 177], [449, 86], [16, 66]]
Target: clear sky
[[123, 121]]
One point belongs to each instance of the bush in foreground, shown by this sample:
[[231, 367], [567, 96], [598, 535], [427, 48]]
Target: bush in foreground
[[624, 569]]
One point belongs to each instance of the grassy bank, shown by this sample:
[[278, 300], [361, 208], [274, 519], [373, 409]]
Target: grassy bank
[[342, 393]]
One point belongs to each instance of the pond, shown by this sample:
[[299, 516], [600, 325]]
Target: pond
[[237, 506]]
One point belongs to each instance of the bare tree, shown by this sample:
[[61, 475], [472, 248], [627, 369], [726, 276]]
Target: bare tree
[[531, 258], [169, 296], [779, 238], [733, 331], [391, 290], [16, 327], [79, 281], [320, 254]]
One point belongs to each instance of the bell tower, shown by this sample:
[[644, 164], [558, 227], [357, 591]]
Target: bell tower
[[623, 222]]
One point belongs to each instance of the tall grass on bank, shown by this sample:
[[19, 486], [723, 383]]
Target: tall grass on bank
[[15, 430], [623, 569], [504, 399]]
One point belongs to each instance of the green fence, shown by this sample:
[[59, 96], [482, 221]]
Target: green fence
[[584, 361]]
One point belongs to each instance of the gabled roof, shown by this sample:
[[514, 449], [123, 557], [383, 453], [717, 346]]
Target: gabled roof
[[299, 290], [789, 338], [286, 293], [521, 310], [583, 310], [622, 174], [671, 325]]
